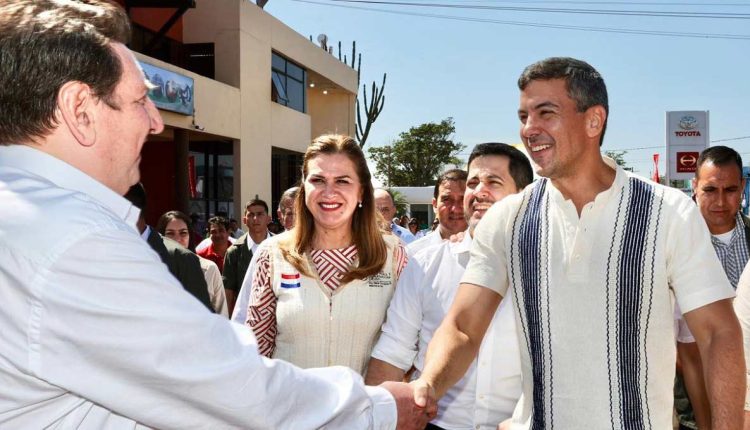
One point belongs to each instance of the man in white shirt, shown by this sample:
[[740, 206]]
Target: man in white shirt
[[96, 332], [718, 186], [386, 206], [448, 204], [594, 257], [488, 392]]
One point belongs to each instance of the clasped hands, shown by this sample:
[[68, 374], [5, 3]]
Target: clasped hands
[[416, 403]]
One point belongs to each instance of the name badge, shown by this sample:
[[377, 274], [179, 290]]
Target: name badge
[[380, 280]]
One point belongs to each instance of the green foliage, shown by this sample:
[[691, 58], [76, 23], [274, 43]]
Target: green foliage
[[618, 156], [399, 200], [418, 156]]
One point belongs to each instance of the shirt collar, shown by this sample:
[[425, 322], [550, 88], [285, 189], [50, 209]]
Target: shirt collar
[[146, 233], [251, 243], [621, 179], [739, 224], [65, 176], [463, 246]]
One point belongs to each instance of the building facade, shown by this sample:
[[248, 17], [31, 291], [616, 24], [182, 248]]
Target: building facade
[[260, 93]]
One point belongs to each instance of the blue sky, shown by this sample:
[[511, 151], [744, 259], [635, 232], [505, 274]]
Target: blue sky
[[468, 70]]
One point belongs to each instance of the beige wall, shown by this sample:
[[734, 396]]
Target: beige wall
[[331, 113], [244, 37], [217, 22], [295, 138]]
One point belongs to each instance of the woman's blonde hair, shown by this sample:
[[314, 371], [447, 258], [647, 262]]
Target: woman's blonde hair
[[366, 234]]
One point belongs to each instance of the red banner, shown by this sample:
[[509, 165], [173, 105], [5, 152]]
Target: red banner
[[191, 177], [656, 168]]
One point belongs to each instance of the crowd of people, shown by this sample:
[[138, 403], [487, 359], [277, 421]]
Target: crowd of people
[[569, 301]]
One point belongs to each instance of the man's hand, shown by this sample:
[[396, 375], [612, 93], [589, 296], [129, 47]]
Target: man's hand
[[424, 394], [410, 415]]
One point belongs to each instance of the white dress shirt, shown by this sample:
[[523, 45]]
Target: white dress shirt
[[489, 390], [239, 314], [97, 334], [252, 246], [431, 239]]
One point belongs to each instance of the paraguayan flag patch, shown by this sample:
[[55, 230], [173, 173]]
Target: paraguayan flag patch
[[290, 280]]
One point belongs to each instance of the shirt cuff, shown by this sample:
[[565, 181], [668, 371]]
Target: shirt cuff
[[392, 352], [384, 414]]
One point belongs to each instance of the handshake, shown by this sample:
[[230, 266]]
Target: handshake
[[416, 403]]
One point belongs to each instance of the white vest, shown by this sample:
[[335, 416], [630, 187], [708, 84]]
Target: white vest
[[317, 328]]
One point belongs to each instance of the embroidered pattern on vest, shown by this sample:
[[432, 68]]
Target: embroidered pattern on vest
[[331, 264]]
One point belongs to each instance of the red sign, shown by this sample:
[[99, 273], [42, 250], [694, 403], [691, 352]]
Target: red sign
[[191, 177], [687, 162]]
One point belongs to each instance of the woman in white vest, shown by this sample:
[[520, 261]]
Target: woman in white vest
[[320, 291]]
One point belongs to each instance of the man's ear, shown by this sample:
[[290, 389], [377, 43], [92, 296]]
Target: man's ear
[[596, 116], [75, 105]]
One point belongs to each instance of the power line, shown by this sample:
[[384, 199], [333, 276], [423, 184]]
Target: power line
[[731, 138], [712, 4], [579, 11], [540, 25]]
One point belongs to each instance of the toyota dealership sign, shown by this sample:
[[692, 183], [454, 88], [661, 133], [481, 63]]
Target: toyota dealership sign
[[687, 136]]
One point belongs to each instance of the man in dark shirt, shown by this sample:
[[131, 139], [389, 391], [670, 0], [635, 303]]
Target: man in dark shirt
[[183, 264]]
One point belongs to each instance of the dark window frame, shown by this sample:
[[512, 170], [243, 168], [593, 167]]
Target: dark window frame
[[279, 82]]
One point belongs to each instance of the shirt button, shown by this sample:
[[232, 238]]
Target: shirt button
[[577, 257]]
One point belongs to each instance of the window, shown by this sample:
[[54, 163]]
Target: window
[[288, 82], [212, 180]]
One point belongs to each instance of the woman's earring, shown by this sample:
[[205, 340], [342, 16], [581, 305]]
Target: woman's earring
[[360, 205]]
